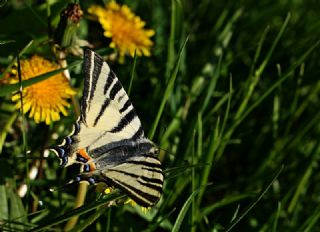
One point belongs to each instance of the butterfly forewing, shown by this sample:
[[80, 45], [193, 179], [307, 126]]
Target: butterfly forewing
[[105, 104], [108, 139]]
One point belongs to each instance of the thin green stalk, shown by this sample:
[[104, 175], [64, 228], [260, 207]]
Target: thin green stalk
[[216, 107], [226, 117], [80, 198], [50, 33], [109, 220], [296, 100], [88, 221], [6, 128], [237, 220], [9, 67], [266, 60], [258, 51], [193, 185], [79, 211], [230, 200], [312, 222], [24, 132], [212, 85], [276, 218], [303, 183], [265, 95], [35, 14], [132, 72], [314, 91], [214, 144], [256, 76], [200, 135], [167, 91], [210, 156], [288, 143], [183, 212], [171, 49], [275, 116], [3, 42]]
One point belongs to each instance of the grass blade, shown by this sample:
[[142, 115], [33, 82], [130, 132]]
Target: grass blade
[[78, 211], [183, 212], [236, 221], [167, 92]]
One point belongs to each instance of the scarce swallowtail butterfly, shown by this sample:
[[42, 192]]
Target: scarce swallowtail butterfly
[[108, 140]]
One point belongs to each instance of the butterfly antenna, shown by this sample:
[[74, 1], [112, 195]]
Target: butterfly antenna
[[166, 151]]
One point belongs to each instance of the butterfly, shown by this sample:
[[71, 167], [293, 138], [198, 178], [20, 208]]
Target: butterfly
[[108, 140]]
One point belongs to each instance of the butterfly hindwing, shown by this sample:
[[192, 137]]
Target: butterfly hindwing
[[141, 178], [108, 140]]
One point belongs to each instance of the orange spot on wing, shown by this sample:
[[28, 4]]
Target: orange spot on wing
[[84, 154]]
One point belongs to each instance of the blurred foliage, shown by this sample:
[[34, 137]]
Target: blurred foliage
[[239, 131]]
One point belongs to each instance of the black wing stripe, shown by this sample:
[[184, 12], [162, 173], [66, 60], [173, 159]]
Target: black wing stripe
[[76, 127], [144, 163], [95, 74], [115, 89], [149, 155], [152, 170], [124, 121], [138, 134], [103, 108], [138, 193], [125, 173], [144, 178], [125, 106], [109, 81], [87, 73], [137, 198], [151, 180], [151, 186]]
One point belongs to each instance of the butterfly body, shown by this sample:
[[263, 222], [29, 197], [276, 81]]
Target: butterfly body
[[108, 140]]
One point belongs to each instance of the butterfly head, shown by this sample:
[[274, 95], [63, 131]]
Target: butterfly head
[[155, 151]]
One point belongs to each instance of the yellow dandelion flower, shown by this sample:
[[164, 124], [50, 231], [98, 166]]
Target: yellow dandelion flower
[[125, 29], [46, 99]]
